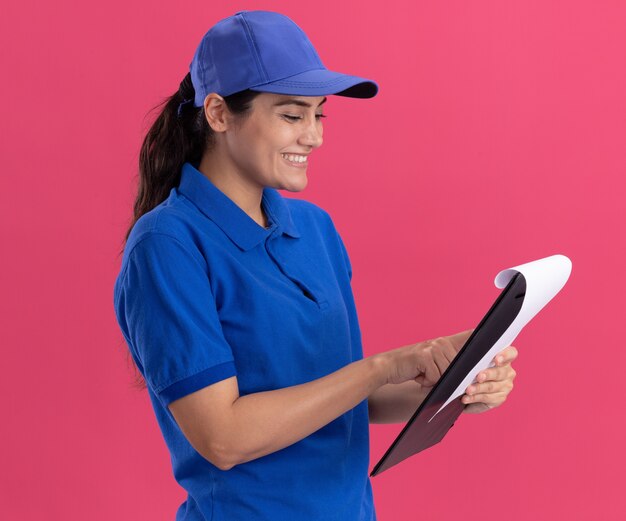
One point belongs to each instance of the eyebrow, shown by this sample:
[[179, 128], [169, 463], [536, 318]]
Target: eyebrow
[[297, 102]]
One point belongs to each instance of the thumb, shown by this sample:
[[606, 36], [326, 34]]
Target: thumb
[[459, 339], [420, 379]]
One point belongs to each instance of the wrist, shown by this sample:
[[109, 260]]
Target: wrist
[[379, 365]]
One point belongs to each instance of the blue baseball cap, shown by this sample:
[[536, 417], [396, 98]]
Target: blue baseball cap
[[266, 52]]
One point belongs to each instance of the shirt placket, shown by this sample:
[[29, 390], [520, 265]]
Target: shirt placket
[[283, 266]]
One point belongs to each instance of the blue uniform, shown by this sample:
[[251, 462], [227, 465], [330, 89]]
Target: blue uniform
[[205, 293]]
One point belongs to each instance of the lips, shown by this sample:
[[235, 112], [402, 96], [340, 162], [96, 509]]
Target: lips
[[296, 160]]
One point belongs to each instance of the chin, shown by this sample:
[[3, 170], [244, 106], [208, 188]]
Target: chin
[[294, 186]]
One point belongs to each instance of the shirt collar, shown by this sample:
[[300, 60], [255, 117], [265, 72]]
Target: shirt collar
[[233, 221]]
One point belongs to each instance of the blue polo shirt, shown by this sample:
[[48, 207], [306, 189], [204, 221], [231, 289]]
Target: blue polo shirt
[[205, 293]]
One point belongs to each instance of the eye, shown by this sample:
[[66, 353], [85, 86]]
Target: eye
[[293, 119], [288, 117]]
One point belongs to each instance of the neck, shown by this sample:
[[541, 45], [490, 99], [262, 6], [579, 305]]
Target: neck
[[229, 180]]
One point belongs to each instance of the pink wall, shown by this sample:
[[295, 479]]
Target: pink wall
[[480, 103]]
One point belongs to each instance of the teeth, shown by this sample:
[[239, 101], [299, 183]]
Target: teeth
[[294, 158]]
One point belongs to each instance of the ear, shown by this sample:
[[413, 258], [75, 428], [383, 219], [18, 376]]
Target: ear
[[216, 112]]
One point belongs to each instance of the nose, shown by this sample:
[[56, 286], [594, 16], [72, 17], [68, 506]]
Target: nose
[[312, 134]]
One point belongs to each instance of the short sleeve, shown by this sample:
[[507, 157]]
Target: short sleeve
[[167, 310]]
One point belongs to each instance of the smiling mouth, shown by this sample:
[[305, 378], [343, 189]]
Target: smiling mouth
[[298, 159], [295, 159]]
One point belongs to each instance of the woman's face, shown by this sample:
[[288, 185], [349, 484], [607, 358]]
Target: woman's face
[[272, 146]]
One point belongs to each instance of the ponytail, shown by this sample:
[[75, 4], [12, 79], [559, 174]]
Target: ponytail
[[179, 134]]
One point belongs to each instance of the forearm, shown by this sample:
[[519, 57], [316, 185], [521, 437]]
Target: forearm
[[228, 429], [264, 422], [395, 403]]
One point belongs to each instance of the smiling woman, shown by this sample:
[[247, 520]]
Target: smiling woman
[[236, 303], [270, 147]]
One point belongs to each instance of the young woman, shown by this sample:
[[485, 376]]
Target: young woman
[[236, 302]]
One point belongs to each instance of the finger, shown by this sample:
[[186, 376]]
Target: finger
[[496, 373], [445, 346], [431, 374], [491, 386], [475, 408], [437, 354], [458, 340], [420, 379], [492, 399], [440, 358], [430, 370], [483, 388], [449, 350], [506, 356]]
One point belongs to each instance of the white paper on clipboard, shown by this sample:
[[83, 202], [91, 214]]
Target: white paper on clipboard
[[544, 279]]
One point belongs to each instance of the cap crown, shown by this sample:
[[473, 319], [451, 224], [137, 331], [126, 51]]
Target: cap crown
[[248, 49]]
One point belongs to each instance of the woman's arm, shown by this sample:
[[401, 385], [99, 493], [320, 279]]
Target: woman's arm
[[228, 429], [397, 403]]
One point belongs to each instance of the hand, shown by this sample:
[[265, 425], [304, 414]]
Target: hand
[[423, 362], [493, 385]]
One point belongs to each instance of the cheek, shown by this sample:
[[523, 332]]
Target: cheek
[[262, 158], [249, 150], [282, 136], [260, 146]]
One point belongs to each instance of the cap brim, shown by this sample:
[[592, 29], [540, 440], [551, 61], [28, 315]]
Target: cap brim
[[321, 82]]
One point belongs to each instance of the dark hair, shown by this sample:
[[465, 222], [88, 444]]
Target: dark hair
[[179, 134], [176, 137]]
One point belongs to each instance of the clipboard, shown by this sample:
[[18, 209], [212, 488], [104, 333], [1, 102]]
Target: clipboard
[[428, 427]]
